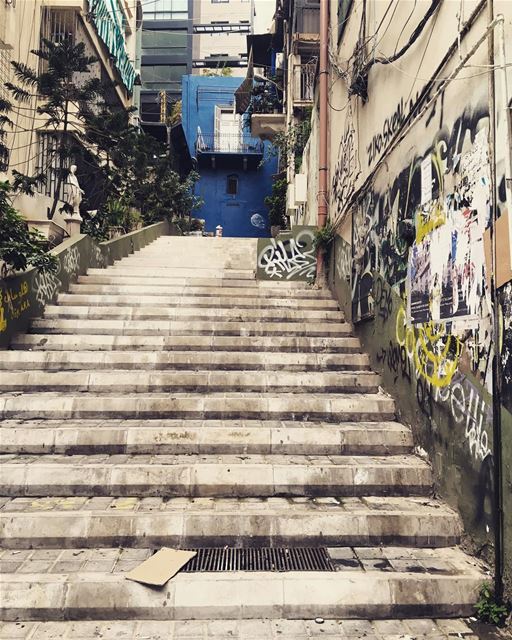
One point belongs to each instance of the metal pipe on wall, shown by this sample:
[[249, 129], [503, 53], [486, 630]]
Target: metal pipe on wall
[[324, 71]]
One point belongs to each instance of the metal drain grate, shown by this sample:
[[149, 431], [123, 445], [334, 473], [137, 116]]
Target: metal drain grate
[[260, 559]]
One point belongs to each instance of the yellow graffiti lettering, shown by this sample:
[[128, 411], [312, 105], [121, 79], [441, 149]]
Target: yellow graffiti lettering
[[428, 221], [435, 353], [3, 322]]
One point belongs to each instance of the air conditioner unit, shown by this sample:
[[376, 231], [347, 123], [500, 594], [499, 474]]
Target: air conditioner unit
[[301, 188], [290, 200]]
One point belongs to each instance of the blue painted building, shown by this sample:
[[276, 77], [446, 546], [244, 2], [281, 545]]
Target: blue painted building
[[234, 182]]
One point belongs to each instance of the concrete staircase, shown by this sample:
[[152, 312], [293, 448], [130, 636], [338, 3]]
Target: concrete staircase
[[174, 400]]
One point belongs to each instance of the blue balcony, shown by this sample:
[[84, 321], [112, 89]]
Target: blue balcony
[[222, 151]]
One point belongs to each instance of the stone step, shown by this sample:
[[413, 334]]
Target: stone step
[[190, 327], [66, 522], [188, 360], [198, 314], [330, 408], [248, 344], [133, 285], [89, 584], [133, 381], [162, 269], [184, 299], [163, 277], [204, 437], [256, 629], [216, 476]]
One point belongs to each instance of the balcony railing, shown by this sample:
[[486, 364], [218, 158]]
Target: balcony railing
[[304, 83], [225, 143]]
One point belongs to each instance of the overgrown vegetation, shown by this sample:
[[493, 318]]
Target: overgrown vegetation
[[127, 176], [324, 238], [488, 610], [19, 245], [276, 203]]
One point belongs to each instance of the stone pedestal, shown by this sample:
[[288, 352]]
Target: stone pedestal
[[73, 224]]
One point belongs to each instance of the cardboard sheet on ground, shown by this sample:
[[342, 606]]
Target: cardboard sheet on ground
[[160, 567]]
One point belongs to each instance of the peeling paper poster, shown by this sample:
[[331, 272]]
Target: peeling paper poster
[[426, 180]]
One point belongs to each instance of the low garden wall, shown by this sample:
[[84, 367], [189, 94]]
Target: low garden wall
[[24, 296]]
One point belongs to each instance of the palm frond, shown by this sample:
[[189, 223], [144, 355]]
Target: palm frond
[[24, 73], [19, 94], [4, 120], [5, 105], [27, 184]]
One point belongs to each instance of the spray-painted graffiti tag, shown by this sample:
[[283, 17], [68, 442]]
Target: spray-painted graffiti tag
[[288, 258]]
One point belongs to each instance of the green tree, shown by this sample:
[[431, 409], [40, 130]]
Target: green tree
[[19, 245], [65, 103]]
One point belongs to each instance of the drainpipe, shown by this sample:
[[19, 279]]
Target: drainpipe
[[322, 164], [497, 372]]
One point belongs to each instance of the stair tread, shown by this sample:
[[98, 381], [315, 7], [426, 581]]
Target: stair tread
[[418, 581], [260, 629]]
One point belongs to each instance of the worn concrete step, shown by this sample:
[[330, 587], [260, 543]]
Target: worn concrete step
[[204, 437], [248, 344], [256, 629], [188, 360], [160, 268], [163, 277], [194, 314], [64, 522], [131, 285], [115, 381], [190, 327], [214, 406], [89, 584], [214, 301], [213, 476]]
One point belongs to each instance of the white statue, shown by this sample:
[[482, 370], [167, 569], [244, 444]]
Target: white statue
[[75, 193]]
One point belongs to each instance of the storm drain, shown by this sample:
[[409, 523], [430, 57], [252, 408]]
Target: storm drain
[[259, 559]]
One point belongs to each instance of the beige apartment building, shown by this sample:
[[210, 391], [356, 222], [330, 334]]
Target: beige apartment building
[[220, 34], [108, 28]]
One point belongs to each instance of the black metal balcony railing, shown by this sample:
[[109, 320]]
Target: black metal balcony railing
[[208, 143]]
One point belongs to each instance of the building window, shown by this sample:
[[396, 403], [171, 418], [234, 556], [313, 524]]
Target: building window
[[232, 185], [165, 10], [5, 76], [162, 76], [51, 166], [59, 25], [344, 7], [164, 42]]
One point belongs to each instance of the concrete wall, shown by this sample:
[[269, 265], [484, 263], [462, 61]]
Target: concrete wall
[[243, 214], [410, 185], [25, 295]]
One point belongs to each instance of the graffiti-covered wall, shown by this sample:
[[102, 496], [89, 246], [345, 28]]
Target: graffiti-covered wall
[[411, 179]]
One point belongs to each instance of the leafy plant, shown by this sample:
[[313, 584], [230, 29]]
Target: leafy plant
[[276, 203], [324, 238], [488, 609], [196, 224], [290, 144], [19, 245]]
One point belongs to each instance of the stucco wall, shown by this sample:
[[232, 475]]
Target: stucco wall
[[410, 185]]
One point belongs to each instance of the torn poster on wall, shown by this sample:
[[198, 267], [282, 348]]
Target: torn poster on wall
[[446, 267]]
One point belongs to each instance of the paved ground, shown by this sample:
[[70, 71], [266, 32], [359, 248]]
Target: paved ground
[[244, 630]]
